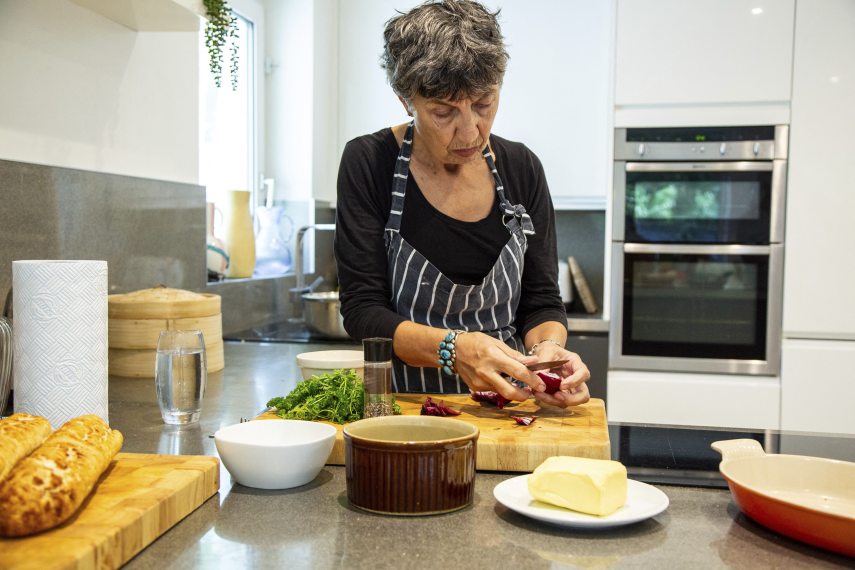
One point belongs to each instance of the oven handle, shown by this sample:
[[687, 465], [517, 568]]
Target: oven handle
[[691, 249], [737, 166]]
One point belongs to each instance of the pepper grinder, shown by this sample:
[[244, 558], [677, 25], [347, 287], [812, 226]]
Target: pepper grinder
[[377, 377]]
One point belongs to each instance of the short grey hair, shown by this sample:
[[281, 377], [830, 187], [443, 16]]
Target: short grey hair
[[445, 49]]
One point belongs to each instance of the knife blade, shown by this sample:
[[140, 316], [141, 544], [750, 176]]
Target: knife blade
[[549, 365]]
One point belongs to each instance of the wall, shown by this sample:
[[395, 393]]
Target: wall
[[149, 231], [555, 98], [301, 152], [582, 234], [81, 91], [99, 145]]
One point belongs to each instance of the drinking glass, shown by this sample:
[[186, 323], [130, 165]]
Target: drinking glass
[[180, 376]]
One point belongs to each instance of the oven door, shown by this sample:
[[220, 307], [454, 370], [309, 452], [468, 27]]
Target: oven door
[[696, 308], [699, 202]]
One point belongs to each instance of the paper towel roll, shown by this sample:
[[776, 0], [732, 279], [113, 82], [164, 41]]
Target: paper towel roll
[[60, 338]]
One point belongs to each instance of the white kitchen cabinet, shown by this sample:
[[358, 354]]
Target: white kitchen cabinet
[[673, 57], [694, 399], [557, 93], [555, 97], [818, 385], [819, 296]]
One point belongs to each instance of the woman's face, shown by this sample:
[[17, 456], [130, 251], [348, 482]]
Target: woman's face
[[453, 132]]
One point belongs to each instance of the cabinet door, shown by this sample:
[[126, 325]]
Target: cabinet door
[[555, 96], [722, 51], [819, 298], [817, 388]]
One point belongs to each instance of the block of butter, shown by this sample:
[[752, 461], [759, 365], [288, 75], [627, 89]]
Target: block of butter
[[593, 486]]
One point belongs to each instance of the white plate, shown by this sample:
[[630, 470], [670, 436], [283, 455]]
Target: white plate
[[642, 502]]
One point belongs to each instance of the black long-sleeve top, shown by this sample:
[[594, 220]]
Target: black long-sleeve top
[[464, 251]]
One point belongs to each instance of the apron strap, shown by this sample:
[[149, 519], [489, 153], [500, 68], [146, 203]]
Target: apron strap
[[509, 211]]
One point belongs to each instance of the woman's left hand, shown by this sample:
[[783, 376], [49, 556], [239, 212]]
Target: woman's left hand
[[574, 374]]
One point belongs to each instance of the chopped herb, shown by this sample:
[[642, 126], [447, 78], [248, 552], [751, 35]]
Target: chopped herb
[[337, 397]]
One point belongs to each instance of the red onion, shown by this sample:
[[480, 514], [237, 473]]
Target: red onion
[[431, 408], [524, 420], [552, 381], [492, 397]]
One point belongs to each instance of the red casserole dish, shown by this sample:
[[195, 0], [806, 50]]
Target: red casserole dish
[[806, 498]]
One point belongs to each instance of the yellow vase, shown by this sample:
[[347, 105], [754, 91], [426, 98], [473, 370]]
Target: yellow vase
[[239, 235]]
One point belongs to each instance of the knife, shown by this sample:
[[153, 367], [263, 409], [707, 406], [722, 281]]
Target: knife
[[549, 365]]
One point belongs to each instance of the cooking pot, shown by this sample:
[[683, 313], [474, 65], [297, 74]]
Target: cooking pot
[[322, 313], [806, 498]]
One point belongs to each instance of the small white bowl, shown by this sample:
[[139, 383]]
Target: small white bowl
[[326, 361], [275, 454]]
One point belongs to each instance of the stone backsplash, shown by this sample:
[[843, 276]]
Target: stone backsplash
[[148, 231], [152, 232]]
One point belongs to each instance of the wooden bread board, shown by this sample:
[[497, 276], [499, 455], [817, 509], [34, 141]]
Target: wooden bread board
[[505, 446], [138, 498]]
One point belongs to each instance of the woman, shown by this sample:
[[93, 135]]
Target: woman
[[445, 239]]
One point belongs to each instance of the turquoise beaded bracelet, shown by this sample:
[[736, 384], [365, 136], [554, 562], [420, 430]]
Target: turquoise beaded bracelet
[[447, 353]]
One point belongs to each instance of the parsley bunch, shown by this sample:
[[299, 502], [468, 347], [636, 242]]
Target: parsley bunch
[[337, 397]]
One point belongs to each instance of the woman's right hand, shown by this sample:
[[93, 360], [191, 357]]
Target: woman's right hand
[[485, 363]]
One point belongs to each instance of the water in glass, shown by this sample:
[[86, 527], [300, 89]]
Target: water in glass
[[180, 376]]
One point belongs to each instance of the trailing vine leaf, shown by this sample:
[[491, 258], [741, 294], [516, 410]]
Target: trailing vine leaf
[[220, 30]]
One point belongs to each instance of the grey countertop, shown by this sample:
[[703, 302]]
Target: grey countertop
[[584, 323], [314, 527]]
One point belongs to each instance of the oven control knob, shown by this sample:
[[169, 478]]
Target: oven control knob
[[641, 149], [756, 148], [722, 149]]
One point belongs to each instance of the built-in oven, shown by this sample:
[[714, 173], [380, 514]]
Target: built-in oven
[[697, 249]]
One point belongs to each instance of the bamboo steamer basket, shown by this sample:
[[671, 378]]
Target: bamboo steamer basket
[[136, 319]]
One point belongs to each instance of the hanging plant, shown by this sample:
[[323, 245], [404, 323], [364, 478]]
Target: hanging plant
[[220, 30]]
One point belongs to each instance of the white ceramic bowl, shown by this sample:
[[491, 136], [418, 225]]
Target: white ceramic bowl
[[326, 361], [275, 454]]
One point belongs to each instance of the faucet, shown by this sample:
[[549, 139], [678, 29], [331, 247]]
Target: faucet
[[300, 286]]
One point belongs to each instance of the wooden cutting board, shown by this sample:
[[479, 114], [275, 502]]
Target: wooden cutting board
[[505, 446], [139, 498]]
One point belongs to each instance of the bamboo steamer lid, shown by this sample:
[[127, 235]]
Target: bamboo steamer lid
[[136, 319], [162, 303]]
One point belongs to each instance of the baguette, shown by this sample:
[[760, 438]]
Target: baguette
[[20, 434], [46, 488]]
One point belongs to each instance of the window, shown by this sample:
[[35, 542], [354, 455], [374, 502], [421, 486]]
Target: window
[[229, 144]]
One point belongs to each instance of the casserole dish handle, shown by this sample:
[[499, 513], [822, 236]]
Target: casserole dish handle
[[737, 448]]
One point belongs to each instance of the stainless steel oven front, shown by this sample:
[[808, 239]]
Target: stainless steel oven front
[[697, 308], [697, 249]]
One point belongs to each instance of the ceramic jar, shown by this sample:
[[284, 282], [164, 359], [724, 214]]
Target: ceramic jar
[[238, 235], [272, 252], [217, 255]]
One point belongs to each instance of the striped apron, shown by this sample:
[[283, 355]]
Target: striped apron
[[424, 295]]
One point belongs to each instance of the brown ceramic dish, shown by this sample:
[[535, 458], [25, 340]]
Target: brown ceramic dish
[[410, 465]]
